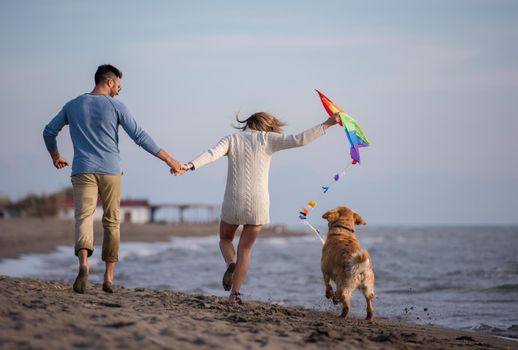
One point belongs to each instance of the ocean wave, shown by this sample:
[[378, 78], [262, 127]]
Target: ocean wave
[[281, 241], [494, 301], [485, 327], [194, 243], [372, 240], [435, 287], [483, 273], [507, 287], [286, 240], [508, 332]]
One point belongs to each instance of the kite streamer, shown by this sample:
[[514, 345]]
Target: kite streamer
[[303, 217], [337, 177]]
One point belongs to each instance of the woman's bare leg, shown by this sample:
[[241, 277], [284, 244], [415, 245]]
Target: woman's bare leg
[[248, 237], [226, 237]]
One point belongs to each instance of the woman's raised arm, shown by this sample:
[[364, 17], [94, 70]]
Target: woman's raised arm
[[278, 142]]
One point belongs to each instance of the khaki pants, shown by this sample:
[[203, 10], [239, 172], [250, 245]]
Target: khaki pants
[[86, 188]]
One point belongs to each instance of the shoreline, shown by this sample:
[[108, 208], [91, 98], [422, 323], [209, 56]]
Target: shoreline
[[38, 314], [33, 235]]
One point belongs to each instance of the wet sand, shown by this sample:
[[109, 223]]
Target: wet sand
[[49, 315]]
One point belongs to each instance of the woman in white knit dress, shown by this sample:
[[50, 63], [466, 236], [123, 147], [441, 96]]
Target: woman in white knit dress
[[246, 200]]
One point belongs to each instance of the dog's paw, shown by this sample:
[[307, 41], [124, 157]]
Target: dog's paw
[[345, 312], [336, 299], [369, 316], [329, 293]]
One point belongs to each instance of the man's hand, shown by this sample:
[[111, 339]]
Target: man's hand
[[58, 161], [175, 166], [170, 161]]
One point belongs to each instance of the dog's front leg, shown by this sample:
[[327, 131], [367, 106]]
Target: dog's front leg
[[337, 297], [329, 286]]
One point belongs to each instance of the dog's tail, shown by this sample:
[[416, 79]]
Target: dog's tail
[[360, 263]]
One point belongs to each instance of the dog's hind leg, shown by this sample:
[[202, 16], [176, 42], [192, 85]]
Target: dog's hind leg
[[368, 293], [346, 297], [329, 286], [370, 309], [341, 287]]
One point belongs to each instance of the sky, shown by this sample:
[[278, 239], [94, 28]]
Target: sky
[[434, 86]]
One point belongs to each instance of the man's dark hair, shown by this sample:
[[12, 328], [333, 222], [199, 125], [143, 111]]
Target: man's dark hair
[[105, 72]]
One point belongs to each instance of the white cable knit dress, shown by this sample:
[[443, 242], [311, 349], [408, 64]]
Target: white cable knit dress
[[247, 201]]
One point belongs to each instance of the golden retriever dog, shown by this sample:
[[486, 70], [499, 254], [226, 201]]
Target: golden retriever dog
[[344, 262]]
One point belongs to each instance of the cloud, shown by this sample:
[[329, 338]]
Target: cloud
[[241, 41], [405, 62]]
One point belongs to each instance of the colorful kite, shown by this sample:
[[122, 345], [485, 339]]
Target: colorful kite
[[356, 138], [355, 134]]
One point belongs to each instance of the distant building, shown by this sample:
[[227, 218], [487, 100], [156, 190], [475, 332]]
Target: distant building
[[4, 212], [136, 211]]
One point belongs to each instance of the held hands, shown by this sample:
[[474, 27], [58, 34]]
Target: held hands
[[176, 167], [183, 169]]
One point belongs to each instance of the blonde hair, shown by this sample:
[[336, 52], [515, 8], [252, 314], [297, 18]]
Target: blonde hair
[[260, 121]]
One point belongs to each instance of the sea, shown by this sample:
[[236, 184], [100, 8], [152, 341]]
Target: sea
[[458, 277]]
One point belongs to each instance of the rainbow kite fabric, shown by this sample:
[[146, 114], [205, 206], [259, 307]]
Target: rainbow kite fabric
[[355, 134]]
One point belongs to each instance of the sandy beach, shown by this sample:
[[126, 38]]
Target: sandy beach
[[49, 315]]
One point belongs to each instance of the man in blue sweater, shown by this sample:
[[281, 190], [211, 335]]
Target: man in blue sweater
[[94, 119]]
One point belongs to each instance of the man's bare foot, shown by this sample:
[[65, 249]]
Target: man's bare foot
[[108, 287], [81, 280]]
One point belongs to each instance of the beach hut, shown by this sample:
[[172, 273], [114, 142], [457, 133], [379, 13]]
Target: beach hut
[[136, 211], [4, 212]]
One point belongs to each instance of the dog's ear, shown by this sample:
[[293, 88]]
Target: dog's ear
[[332, 215], [358, 220]]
